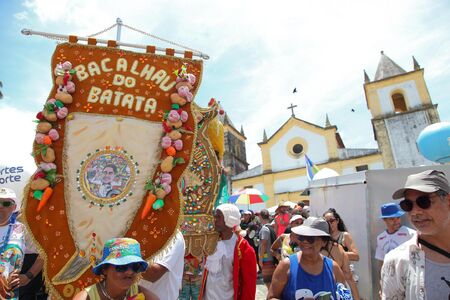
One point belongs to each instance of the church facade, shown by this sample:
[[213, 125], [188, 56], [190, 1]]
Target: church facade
[[401, 107], [234, 157]]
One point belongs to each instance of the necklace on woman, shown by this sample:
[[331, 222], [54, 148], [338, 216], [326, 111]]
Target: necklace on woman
[[105, 293]]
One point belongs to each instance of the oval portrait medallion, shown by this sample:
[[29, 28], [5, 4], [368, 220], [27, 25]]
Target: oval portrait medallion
[[107, 177]]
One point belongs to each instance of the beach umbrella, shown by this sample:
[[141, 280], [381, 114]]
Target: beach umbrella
[[248, 196]]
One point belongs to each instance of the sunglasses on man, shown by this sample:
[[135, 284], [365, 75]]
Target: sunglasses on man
[[135, 267], [6, 203], [424, 202]]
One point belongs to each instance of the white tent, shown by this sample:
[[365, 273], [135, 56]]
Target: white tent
[[325, 173]]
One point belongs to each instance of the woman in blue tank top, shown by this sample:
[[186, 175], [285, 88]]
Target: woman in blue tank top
[[307, 274]]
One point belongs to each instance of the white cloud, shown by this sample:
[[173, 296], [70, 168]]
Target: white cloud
[[17, 135], [23, 15], [260, 52]]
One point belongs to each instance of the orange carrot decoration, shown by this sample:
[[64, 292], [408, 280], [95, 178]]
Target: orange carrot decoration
[[171, 151], [45, 196], [47, 140], [151, 198]]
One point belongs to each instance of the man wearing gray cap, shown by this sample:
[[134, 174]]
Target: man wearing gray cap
[[420, 267]]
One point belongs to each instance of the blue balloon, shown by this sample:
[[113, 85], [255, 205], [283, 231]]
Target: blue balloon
[[434, 142]]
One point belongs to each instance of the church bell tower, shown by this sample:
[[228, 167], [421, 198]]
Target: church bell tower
[[401, 107]]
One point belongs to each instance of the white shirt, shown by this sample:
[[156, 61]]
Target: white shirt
[[169, 285], [12, 257], [387, 242], [403, 275], [219, 283]]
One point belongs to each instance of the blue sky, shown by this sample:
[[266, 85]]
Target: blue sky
[[259, 53]]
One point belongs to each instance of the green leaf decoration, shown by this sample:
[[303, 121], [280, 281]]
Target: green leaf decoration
[[44, 149], [159, 203], [37, 195], [49, 107], [178, 161], [176, 106], [59, 104], [40, 148], [149, 186], [51, 176]]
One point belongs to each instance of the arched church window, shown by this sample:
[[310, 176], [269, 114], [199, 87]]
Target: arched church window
[[237, 151], [399, 103]]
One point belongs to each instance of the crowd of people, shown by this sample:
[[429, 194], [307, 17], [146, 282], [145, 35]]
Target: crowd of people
[[302, 256], [315, 249], [296, 255]]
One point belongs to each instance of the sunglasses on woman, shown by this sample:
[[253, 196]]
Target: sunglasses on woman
[[331, 221], [135, 267], [6, 203], [308, 239], [424, 202]]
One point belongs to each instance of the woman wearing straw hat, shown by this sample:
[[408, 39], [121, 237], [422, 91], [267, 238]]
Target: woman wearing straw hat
[[307, 274], [281, 218], [120, 266]]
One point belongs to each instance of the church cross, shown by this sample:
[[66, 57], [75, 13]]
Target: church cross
[[292, 109]]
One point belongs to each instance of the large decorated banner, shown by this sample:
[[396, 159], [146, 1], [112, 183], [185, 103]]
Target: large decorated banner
[[121, 150]]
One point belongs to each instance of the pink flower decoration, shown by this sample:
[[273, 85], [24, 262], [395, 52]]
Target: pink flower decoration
[[62, 112], [59, 71], [39, 138], [183, 90], [51, 101], [191, 78], [167, 188], [53, 134], [184, 116], [66, 65], [47, 166], [166, 178], [178, 144], [174, 116], [189, 97], [70, 87], [166, 142]]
